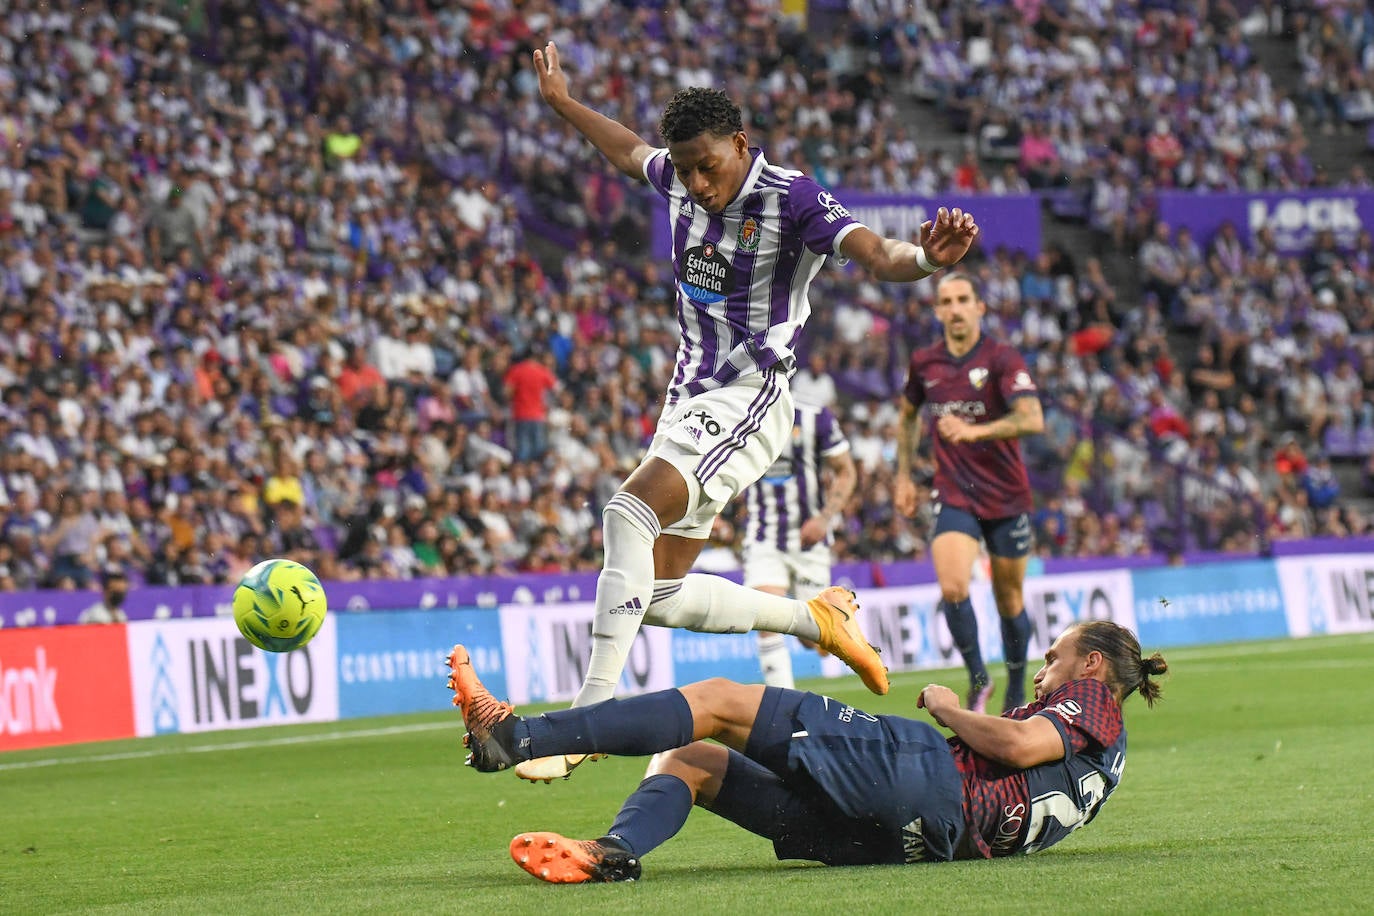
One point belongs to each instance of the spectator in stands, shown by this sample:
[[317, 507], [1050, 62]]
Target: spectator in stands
[[528, 384], [173, 228], [114, 587], [1039, 158], [73, 540], [284, 484], [1320, 484], [1163, 267]]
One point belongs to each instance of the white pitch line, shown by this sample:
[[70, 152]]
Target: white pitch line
[[1198, 652], [1312, 665], [1241, 650], [233, 746]]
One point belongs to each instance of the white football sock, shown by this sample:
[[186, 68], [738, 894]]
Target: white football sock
[[775, 660], [623, 592], [712, 604]]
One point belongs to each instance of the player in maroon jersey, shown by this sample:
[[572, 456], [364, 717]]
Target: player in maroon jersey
[[982, 399], [831, 783]]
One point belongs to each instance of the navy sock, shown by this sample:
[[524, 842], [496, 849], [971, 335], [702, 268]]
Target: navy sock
[[652, 815], [963, 626], [632, 727], [1016, 634]]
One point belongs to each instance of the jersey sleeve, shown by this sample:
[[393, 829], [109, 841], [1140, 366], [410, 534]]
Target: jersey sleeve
[[1085, 713], [658, 170], [821, 220], [830, 439], [915, 390], [1014, 378]]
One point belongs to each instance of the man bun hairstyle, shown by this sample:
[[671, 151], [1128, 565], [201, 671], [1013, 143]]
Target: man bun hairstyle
[[1128, 671], [696, 111]]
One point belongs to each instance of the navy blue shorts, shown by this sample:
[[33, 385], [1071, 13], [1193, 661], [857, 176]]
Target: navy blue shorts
[[1007, 537], [830, 783]]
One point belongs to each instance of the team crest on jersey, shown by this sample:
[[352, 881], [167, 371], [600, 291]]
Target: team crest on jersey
[[749, 231], [978, 377]]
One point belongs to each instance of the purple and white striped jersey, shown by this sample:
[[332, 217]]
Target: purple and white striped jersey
[[790, 492], [743, 275]]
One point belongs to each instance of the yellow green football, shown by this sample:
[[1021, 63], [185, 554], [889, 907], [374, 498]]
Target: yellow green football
[[279, 605]]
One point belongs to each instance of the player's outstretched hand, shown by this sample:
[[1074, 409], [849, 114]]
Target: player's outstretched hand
[[949, 237], [904, 496], [553, 84]]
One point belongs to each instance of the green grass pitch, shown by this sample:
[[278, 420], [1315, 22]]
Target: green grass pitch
[[1250, 788]]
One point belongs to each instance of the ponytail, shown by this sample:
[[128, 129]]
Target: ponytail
[[1128, 672], [1150, 667]]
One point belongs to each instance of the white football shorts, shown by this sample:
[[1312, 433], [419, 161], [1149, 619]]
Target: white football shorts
[[721, 441]]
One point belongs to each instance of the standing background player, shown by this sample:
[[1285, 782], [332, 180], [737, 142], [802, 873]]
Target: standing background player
[[792, 509], [982, 399], [747, 238]]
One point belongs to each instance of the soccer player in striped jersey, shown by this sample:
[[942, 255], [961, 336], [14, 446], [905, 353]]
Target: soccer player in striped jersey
[[981, 399], [748, 237], [791, 510]]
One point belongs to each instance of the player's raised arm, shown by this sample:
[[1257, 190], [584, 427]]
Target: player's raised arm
[[944, 242], [625, 149]]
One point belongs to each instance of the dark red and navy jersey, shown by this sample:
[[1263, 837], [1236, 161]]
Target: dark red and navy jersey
[[985, 478], [1009, 811]]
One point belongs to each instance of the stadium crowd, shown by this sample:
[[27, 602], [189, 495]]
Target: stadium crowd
[[241, 315], [1335, 48], [1108, 102]]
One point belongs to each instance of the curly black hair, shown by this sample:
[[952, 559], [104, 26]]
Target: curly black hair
[[696, 111]]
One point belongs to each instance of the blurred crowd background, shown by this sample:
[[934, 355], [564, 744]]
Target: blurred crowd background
[[330, 282]]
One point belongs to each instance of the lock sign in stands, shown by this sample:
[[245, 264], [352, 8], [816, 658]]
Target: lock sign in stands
[[1293, 217], [61, 685]]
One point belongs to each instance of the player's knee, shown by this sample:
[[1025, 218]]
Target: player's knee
[[710, 699], [701, 766], [628, 516], [672, 762], [954, 592], [705, 694]]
